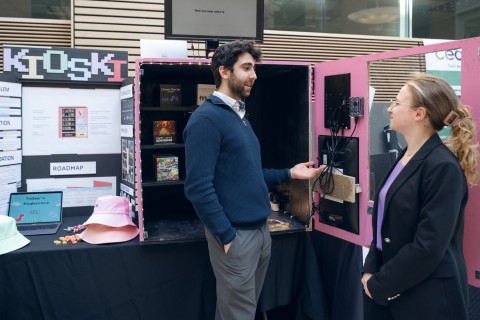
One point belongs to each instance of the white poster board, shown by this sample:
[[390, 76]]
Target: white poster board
[[70, 121], [10, 141]]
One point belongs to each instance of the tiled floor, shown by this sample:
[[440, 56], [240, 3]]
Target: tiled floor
[[288, 312]]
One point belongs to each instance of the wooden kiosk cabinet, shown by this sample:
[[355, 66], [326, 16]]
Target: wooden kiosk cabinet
[[279, 110]]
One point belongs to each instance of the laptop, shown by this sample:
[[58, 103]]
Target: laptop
[[36, 212], [172, 49]]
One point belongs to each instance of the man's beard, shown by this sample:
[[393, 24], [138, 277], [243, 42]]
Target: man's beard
[[237, 87]]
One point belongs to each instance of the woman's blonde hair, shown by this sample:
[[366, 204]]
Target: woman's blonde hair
[[439, 99]]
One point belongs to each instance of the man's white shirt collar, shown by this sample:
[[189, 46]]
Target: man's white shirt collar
[[232, 103]]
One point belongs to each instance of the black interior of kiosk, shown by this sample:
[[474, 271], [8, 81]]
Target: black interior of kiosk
[[278, 110]]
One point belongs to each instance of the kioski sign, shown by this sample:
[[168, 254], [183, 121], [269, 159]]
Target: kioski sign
[[63, 64]]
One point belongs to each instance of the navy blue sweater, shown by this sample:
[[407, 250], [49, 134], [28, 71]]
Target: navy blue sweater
[[224, 177]]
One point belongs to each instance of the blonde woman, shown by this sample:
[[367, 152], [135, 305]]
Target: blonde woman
[[415, 268]]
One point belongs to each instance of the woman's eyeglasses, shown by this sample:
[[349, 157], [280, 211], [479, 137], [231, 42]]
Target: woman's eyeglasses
[[394, 103]]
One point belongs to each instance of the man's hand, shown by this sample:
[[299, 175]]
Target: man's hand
[[365, 278], [302, 170], [226, 247]]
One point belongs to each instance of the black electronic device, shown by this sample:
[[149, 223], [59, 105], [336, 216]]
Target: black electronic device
[[340, 153], [214, 19], [336, 100], [356, 106]]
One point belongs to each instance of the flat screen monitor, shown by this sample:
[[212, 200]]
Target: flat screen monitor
[[214, 19]]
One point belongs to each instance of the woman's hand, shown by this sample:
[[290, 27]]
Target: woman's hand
[[365, 278]]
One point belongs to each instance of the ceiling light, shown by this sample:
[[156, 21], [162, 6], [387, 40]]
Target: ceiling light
[[375, 15]]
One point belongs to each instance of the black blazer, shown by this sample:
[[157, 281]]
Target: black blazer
[[421, 272]]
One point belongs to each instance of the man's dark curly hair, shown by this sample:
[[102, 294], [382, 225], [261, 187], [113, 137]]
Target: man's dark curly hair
[[227, 54]]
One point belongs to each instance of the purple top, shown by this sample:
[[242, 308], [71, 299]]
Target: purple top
[[381, 200]]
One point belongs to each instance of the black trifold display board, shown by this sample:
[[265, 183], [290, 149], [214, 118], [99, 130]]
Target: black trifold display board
[[38, 166], [62, 133]]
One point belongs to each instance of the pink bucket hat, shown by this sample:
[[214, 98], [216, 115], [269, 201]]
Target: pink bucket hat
[[98, 234], [10, 238], [111, 221], [111, 211]]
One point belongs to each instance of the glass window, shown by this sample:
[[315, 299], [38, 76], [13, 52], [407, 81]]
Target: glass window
[[363, 17], [434, 19], [431, 19], [40, 9]]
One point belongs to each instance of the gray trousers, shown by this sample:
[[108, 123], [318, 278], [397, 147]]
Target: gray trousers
[[240, 272]]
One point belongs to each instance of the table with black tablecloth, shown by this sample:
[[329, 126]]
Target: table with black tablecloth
[[133, 281]]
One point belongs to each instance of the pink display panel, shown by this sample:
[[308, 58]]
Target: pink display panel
[[358, 68]]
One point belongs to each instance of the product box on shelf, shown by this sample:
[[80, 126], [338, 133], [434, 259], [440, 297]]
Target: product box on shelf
[[166, 167], [170, 95], [204, 91], [164, 131]]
